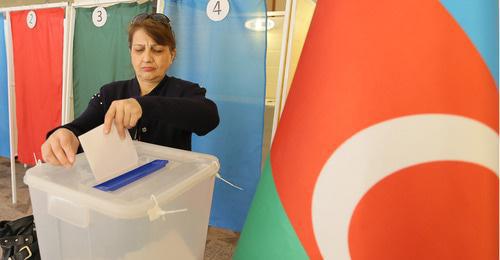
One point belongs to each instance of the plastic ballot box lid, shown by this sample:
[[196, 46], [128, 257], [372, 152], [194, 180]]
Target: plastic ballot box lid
[[183, 171]]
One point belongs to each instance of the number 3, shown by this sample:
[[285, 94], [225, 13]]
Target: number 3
[[99, 16]]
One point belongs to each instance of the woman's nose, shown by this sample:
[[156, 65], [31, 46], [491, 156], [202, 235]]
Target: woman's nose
[[147, 55]]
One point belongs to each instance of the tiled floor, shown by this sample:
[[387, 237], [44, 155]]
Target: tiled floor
[[220, 242]]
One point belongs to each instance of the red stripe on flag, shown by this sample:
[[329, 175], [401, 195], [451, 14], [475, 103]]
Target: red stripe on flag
[[454, 203]]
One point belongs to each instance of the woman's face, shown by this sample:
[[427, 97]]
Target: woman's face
[[149, 59]]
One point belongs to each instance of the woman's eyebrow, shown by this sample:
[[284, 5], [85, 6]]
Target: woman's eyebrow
[[152, 45]]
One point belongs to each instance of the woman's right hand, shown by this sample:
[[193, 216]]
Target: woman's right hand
[[60, 148]]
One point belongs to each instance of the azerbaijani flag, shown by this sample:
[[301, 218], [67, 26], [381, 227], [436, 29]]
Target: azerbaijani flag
[[388, 144]]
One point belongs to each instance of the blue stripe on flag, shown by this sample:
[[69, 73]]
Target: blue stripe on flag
[[228, 60], [479, 19]]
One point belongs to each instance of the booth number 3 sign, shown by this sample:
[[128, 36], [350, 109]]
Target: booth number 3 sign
[[31, 19], [217, 10], [99, 16]]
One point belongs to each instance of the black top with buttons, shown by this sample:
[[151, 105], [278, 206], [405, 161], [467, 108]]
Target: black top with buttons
[[171, 112]]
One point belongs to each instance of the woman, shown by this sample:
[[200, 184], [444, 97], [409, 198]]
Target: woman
[[155, 108]]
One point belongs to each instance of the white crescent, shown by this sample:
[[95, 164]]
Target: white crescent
[[382, 149]]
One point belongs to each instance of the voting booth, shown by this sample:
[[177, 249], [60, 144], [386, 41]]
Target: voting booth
[[163, 215]]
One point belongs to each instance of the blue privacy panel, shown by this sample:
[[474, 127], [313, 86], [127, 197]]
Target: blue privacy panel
[[229, 61], [4, 101]]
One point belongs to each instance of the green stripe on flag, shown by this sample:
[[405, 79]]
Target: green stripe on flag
[[267, 233]]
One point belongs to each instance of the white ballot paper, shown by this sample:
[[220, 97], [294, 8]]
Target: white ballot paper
[[108, 155]]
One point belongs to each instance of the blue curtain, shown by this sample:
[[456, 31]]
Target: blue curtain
[[228, 60], [4, 101]]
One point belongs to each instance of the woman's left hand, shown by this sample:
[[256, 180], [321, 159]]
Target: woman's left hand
[[125, 113]]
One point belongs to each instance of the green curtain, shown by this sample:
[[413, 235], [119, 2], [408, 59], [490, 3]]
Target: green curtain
[[100, 54]]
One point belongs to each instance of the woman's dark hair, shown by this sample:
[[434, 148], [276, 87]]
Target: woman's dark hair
[[156, 25]]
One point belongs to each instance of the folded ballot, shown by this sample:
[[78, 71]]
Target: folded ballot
[[107, 154]]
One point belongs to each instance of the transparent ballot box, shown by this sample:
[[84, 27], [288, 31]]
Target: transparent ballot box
[[163, 215]]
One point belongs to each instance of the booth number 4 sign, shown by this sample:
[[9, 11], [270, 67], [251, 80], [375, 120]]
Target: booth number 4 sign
[[217, 10], [99, 16], [31, 19]]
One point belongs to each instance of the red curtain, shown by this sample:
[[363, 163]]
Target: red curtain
[[38, 59]]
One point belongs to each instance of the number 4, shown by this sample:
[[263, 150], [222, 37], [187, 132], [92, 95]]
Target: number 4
[[217, 8]]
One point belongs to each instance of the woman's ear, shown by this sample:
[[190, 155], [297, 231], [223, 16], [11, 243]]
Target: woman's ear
[[172, 53]]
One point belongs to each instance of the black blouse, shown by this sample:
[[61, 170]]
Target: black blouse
[[171, 112]]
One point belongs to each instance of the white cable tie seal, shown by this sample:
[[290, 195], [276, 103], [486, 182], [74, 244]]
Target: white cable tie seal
[[37, 162], [156, 212], [230, 184]]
